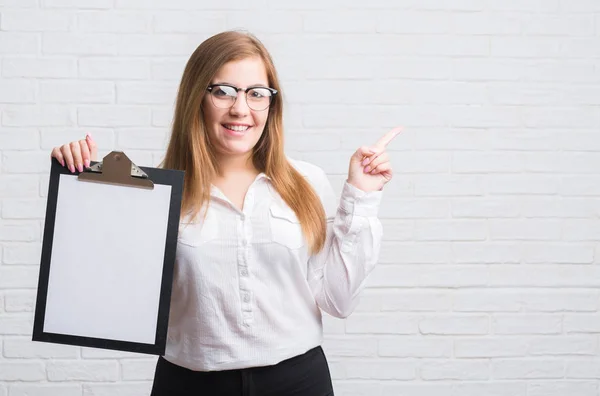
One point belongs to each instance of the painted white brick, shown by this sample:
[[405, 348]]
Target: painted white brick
[[560, 25], [18, 277], [452, 139], [21, 371], [188, 4], [350, 347], [162, 117], [581, 323], [552, 253], [380, 370], [56, 137], [19, 138], [413, 22], [561, 388], [82, 371], [413, 347], [485, 207], [583, 369], [414, 69], [450, 230], [19, 3], [19, 301], [527, 369], [417, 300], [559, 301], [424, 252], [188, 22], [17, 91], [47, 115], [527, 324], [138, 369], [80, 44], [36, 21], [157, 45], [493, 69], [454, 324], [119, 389], [105, 354], [521, 184], [77, 92], [113, 116], [564, 345], [457, 5], [19, 43], [486, 301], [115, 69], [455, 370], [19, 231], [530, 229], [345, 21], [45, 390], [487, 23], [448, 185], [78, 4], [544, 276], [485, 252], [450, 45], [168, 69], [16, 324], [28, 253], [148, 138], [39, 67], [398, 230], [315, 4], [453, 276], [581, 230], [147, 93], [580, 186], [18, 186], [500, 388], [571, 117], [490, 347], [264, 21], [26, 349], [382, 324], [113, 22], [484, 116], [417, 389], [525, 5], [333, 325], [25, 162]]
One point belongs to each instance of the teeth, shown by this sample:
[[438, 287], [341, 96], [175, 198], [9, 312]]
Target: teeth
[[237, 128]]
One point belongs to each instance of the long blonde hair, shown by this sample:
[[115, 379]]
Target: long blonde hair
[[190, 150]]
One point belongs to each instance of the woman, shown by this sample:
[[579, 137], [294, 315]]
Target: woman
[[263, 245]]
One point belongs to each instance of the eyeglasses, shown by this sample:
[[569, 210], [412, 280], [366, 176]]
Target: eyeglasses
[[224, 96]]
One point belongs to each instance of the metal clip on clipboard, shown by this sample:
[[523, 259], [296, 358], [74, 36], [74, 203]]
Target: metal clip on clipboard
[[117, 168]]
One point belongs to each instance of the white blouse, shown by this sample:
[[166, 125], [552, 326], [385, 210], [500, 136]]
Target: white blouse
[[246, 291]]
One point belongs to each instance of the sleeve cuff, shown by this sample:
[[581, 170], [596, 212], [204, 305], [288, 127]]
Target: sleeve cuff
[[358, 202]]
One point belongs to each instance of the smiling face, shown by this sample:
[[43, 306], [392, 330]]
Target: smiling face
[[235, 131]]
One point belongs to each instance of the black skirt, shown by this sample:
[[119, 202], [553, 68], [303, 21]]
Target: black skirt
[[303, 375]]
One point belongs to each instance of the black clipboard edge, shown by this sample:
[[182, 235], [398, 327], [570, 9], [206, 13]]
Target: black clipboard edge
[[159, 176]]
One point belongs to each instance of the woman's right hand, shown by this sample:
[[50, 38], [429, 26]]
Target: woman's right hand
[[77, 154]]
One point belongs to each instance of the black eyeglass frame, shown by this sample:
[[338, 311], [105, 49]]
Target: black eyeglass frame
[[245, 90]]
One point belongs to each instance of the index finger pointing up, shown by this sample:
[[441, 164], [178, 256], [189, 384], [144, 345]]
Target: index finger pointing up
[[388, 137]]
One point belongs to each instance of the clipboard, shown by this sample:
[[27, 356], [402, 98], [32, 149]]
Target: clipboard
[[108, 255]]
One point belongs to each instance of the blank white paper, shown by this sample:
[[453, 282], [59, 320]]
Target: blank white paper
[[107, 260]]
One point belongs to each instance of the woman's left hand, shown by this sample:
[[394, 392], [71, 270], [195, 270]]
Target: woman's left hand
[[370, 168]]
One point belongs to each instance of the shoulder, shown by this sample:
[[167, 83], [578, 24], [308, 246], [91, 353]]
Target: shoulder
[[314, 174]]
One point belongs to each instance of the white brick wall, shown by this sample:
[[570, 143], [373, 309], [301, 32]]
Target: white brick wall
[[489, 272]]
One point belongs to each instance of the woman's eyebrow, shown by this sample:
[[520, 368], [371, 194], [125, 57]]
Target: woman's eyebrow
[[251, 85]]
